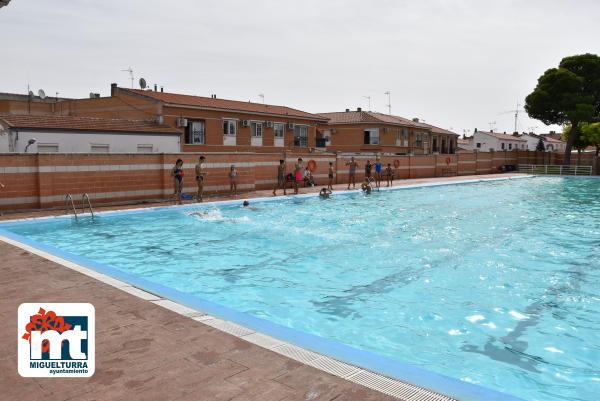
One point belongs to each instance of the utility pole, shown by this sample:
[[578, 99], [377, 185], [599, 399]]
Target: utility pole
[[389, 105]]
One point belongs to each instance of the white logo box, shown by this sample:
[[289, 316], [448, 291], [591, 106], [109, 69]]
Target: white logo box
[[77, 363]]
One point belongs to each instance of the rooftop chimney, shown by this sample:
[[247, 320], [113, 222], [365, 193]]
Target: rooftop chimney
[[475, 129], [155, 88], [161, 89], [416, 120], [347, 110], [358, 109], [113, 89]]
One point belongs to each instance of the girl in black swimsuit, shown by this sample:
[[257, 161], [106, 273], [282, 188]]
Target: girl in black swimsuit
[[177, 174]]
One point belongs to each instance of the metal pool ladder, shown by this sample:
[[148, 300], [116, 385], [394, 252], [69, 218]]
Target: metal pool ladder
[[84, 198], [69, 200]]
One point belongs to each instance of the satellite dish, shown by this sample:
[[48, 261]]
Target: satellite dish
[[30, 94], [143, 83], [42, 94]]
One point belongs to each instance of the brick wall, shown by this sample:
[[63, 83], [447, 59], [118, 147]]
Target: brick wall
[[42, 180]]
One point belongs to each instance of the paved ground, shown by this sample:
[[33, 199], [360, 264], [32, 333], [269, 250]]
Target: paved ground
[[146, 352]]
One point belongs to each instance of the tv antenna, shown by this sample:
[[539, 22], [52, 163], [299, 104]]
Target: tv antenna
[[130, 71], [369, 98], [516, 112], [143, 84], [389, 105], [42, 94], [492, 125], [262, 96]]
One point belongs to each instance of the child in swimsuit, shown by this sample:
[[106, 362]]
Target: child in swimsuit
[[233, 181], [298, 175], [330, 175], [280, 178], [177, 174], [378, 167], [390, 175], [200, 178]]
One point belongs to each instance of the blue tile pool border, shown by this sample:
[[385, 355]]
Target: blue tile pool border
[[439, 383]]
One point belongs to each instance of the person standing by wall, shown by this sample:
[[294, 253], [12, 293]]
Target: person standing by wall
[[233, 176], [280, 178], [352, 172], [200, 178], [298, 175], [330, 176], [368, 168], [177, 174], [378, 168]]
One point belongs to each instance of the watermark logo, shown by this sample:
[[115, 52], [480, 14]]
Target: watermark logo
[[56, 340]]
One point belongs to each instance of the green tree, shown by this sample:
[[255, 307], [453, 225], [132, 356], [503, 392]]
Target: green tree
[[591, 134], [540, 146], [569, 94]]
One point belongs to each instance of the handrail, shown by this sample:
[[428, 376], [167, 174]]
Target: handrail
[[68, 198], [551, 169], [85, 197]]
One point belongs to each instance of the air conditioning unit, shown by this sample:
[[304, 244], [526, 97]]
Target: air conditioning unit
[[244, 123], [269, 124], [182, 122], [290, 125]]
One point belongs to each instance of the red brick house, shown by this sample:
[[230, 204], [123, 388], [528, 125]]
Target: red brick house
[[367, 131]]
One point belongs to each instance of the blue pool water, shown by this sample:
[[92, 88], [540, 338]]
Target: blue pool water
[[494, 283]]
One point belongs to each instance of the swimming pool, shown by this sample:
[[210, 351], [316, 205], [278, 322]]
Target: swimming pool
[[493, 283]]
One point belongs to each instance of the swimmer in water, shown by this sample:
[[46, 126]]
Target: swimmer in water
[[324, 193], [246, 205], [366, 186]]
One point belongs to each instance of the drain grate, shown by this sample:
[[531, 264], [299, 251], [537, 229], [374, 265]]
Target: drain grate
[[296, 353], [337, 368], [263, 340], [228, 327]]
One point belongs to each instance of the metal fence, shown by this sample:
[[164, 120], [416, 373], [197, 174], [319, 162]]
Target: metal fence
[[549, 169]]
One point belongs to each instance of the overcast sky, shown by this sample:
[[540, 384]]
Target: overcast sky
[[456, 64]]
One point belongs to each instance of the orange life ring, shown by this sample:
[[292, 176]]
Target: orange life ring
[[312, 165], [448, 161], [396, 163]]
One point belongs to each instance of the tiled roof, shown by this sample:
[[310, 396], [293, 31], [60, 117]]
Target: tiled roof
[[84, 124], [224, 104], [550, 139], [349, 117], [504, 137]]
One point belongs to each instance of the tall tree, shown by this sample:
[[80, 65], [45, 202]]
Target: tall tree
[[540, 146], [569, 94]]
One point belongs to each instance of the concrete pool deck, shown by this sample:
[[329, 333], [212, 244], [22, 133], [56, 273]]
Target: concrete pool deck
[[144, 351]]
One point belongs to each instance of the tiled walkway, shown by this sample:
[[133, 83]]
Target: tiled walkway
[[146, 352]]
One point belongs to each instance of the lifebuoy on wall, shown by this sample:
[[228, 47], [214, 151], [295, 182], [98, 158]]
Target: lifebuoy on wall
[[312, 165], [448, 161], [396, 163]]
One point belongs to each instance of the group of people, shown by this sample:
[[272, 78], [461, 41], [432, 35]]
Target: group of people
[[369, 178], [301, 175]]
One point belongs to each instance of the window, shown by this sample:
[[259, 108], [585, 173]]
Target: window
[[99, 148], [371, 136], [425, 139], [256, 129], [405, 134], [419, 140], [229, 127], [478, 145], [47, 147], [301, 135], [278, 130], [502, 146], [510, 146], [145, 148], [196, 133]]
